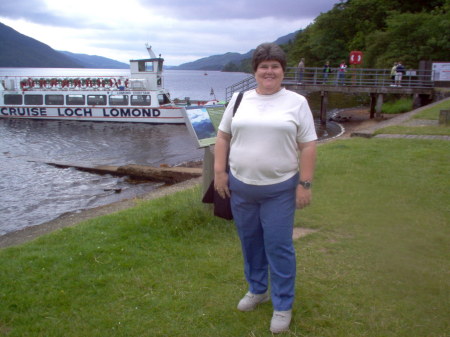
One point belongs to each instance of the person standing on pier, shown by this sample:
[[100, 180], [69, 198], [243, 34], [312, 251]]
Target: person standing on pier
[[326, 71], [393, 73], [341, 73], [271, 141], [301, 70], [400, 71]]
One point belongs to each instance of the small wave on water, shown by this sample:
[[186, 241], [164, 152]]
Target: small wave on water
[[33, 192]]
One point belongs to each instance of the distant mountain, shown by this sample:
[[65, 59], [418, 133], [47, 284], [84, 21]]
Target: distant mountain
[[215, 62], [18, 50], [218, 62], [99, 62]]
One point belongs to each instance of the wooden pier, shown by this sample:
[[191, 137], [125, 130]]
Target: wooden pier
[[375, 82]]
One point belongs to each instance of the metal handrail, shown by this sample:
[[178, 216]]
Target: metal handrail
[[357, 77], [243, 85]]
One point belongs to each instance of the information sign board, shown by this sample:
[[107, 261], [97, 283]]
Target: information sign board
[[441, 71], [203, 122]]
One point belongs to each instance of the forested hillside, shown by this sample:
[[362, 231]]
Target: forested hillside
[[18, 50], [384, 30]]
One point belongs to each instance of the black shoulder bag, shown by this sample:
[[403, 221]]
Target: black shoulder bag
[[222, 206]]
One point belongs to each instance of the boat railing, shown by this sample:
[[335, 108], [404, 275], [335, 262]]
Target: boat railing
[[67, 83]]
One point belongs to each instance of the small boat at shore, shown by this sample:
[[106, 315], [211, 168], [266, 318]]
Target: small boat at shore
[[140, 97]]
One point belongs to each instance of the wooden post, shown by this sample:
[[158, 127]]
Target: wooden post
[[444, 117], [208, 168], [379, 105], [373, 100], [323, 107]]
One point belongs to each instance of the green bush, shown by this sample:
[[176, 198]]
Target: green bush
[[399, 106]]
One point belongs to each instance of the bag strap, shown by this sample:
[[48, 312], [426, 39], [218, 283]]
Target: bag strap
[[238, 101]]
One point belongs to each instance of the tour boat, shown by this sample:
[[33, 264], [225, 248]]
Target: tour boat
[[140, 97]]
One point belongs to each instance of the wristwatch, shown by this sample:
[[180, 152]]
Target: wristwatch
[[306, 184]]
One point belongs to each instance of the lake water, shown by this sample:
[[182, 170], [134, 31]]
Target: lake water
[[33, 192]]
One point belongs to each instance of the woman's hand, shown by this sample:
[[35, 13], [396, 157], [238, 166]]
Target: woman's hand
[[220, 163], [221, 184], [303, 197]]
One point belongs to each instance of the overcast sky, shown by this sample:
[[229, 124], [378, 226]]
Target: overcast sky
[[180, 30]]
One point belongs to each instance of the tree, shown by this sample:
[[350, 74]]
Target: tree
[[385, 30]]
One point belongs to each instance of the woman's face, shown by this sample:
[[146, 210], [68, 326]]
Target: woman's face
[[269, 75]]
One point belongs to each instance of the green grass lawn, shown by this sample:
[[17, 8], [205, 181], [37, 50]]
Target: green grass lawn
[[377, 266], [426, 114]]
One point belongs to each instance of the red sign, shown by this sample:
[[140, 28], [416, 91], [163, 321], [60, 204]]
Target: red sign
[[356, 57]]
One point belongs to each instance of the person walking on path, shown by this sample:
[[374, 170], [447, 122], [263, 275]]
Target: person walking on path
[[271, 141], [301, 70]]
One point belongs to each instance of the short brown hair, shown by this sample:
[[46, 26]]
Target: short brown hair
[[268, 52]]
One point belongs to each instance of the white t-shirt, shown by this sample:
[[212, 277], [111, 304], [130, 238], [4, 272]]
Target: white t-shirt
[[265, 132]]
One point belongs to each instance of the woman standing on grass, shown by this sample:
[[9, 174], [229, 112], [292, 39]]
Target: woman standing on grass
[[271, 133]]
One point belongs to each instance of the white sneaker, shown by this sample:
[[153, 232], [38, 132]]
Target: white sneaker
[[280, 321], [250, 301]]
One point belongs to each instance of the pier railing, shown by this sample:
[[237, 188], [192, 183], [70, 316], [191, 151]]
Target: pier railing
[[356, 77]]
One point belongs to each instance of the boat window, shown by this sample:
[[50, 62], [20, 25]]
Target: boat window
[[118, 99], [144, 66], [54, 99], [163, 99], [140, 100], [12, 99], [96, 100], [149, 66], [75, 99], [34, 99]]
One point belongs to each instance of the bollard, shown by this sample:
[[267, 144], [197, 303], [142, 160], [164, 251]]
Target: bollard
[[444, 117], [208, 168]]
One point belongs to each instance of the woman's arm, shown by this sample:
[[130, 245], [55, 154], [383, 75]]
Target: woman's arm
[[307, 166], [220, 163]]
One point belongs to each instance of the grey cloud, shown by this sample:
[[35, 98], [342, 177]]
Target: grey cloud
[[241, 9], [36, 11]]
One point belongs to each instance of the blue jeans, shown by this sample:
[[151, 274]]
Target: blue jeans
[[341, 78], [264, 218]]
